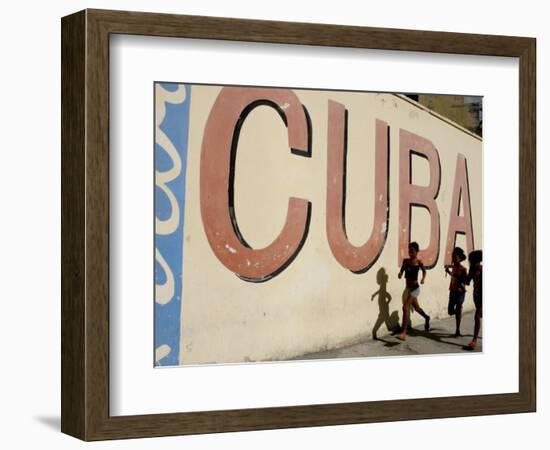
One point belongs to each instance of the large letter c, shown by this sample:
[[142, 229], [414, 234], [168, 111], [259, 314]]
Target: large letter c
[[217, 169]]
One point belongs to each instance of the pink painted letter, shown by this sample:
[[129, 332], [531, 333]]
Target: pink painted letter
[[411, 195], [356, 259], [217, 171], [457, 223]]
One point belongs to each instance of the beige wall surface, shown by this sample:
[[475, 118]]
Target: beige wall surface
[[315, 303]]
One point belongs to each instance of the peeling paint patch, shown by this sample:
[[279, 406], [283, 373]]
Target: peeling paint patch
[[187, 332], [162, 352], [231, 249]]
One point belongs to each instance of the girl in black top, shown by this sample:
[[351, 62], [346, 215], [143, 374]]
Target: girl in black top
[[457, 286], [410, 268], [475, 273]]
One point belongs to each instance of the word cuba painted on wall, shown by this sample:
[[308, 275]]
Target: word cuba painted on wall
[[218, 156]]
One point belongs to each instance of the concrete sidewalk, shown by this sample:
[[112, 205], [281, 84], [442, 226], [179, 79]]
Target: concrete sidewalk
[[440, 339]]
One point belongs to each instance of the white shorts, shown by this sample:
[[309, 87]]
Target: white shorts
[[413, 292]]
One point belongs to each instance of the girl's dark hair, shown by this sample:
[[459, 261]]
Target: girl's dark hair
[[414, 245], [475, 257], [460, 253]]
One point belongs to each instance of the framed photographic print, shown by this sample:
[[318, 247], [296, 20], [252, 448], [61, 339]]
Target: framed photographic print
[[272, 224]]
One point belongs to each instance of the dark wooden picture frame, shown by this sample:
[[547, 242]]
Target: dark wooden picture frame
[[85, 224]]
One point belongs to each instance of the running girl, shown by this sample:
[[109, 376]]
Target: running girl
[[475, 274], [457, 286], [410, 267]]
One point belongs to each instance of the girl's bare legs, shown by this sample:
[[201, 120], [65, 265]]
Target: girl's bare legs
[[420, 311], [458, 317], [477, 323], [477, 327], [406, 317]]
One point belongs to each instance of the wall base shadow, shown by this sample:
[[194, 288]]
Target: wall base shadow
[[386, 342], [436, 336]]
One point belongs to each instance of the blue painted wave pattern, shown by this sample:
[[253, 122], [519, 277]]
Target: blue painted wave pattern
[[172, 103]]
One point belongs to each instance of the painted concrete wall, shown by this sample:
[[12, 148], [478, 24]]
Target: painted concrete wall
[[315, 303]]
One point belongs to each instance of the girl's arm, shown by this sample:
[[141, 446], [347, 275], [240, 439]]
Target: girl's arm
[[423, 269], [463, 277], [402, 269], [470, 276]]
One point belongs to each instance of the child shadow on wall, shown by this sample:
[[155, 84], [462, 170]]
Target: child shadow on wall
[[384, 298]]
